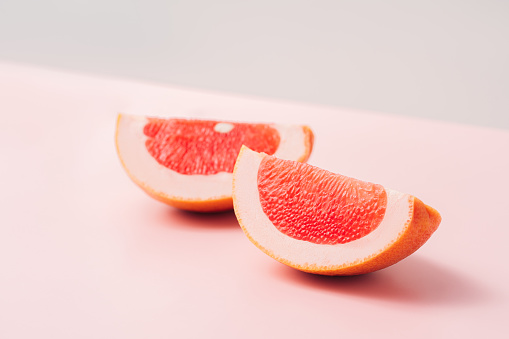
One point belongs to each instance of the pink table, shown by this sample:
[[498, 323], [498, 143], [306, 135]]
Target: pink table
[[84, 253]]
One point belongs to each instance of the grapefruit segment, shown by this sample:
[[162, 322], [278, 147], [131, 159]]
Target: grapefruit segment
[[205, 147], [309, 203], [320, 222], [189, 163]]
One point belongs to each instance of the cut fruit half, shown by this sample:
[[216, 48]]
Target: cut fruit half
[[325, 223], [189, 163]]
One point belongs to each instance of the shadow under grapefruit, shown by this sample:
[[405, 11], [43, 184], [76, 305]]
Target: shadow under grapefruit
[[414, 281]]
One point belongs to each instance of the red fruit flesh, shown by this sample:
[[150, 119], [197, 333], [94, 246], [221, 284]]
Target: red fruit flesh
[[312, 204], [196, 147]]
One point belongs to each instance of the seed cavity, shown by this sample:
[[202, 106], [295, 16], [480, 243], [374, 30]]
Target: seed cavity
[[223, 127]]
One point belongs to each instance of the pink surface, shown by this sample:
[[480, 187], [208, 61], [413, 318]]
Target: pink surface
[[84, 253]]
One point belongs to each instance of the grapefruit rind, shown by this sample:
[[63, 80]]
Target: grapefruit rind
[[407, 224], [200, 193]]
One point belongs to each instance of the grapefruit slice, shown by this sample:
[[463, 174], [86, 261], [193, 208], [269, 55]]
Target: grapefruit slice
[[325, 223], [189, 163]]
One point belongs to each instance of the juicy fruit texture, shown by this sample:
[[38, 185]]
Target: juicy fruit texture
[[311, 204], [268, 195], [205, 147], [188, 163]]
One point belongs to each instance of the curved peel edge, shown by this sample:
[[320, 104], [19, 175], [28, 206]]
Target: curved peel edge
[[199, 193], [408, 224]]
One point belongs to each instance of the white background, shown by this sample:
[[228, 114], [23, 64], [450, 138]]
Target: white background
[[444, 60]]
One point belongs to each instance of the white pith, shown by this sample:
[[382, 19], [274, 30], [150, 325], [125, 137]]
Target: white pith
[[145, 170], [303, 253], [223, 127]]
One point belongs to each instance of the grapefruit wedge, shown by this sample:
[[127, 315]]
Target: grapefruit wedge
[[189, 163], [325, 223]]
